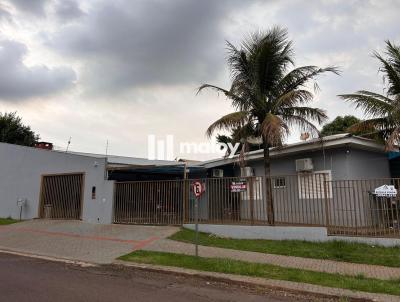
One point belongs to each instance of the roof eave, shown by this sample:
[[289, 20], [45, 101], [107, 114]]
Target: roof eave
[[360, 143]]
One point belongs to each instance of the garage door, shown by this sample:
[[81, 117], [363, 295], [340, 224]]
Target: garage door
[[61, 196]]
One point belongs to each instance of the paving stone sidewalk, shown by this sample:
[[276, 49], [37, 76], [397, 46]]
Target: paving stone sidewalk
[[78, 240], [328, 266]]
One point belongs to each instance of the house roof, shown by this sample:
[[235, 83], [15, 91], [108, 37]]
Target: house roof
[[111, 159], [120, 161], [115, 162], [327, 142]]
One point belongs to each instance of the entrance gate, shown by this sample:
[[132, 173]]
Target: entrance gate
[[149, 202], [61, 196]]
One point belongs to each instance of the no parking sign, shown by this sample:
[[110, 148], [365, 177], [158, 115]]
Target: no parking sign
[[198, 188]]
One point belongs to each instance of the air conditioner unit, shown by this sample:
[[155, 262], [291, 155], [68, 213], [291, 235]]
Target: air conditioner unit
[[304, 164], [246, 172], [217, 173]]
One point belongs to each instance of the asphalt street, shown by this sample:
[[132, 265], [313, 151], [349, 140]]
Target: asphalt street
[[29, 279]]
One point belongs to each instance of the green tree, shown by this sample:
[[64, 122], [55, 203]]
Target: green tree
[[340, 124], [268, 95], [382, 111], [13, 131]]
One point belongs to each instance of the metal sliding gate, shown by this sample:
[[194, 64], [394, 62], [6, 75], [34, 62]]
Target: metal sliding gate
[[172, 202], [61, 196], [149, 202]]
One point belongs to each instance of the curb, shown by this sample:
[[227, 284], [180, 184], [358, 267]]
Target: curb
[[289, 286], [49, 258]]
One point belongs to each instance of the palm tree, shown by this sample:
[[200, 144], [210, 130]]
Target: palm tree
[[269, 98], [382, 111]]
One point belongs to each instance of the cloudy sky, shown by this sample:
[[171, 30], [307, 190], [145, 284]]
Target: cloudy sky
[[98, 70]]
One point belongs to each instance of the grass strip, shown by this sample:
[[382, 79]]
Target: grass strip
[[5, 221], [332, 250], [228, 266]]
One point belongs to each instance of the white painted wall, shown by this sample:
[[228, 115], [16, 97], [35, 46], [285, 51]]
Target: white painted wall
[[315, 234], [21, 169]]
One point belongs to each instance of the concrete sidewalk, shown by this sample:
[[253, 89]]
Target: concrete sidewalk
[[77, 240], [328, 266]]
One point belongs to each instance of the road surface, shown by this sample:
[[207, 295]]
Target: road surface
[[28, 279]]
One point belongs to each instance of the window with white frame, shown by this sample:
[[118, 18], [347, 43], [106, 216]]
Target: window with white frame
[[279, 182], [315, 185]]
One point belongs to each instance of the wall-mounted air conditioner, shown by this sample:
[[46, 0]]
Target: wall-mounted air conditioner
[[217, 173], [246, 172], [304, 164]]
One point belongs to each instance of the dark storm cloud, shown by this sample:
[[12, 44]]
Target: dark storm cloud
[[34, 7], [126, 44], [68, 10], [17, 81]]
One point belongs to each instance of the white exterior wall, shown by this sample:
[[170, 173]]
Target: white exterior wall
[[314, 234], [21, 169]]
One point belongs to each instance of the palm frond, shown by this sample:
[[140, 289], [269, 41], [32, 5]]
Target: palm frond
[[274, 130], [311, 114], [393, 139], [241, 134], [302, 123], [239, 65], [293, 98], [373, 125], [299, 77], [270, 59], [393, 52], [391, 75], [391, 67], [372, 104], [229, 122], [237, 101]]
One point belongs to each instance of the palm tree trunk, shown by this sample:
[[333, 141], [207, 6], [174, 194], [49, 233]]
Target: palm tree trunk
[[268, 187]]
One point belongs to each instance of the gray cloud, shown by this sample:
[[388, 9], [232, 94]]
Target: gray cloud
[[18, 81], [68, 10], [152, 42], [4, 15], [34, 7]]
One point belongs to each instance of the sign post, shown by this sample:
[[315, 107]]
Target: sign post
[[198, 189]]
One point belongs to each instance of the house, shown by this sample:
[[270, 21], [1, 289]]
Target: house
[[341, 156], [314, 182]]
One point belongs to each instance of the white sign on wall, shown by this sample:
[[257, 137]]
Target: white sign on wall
[[386, 191]]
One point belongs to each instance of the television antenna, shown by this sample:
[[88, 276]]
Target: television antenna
[[69, 143]]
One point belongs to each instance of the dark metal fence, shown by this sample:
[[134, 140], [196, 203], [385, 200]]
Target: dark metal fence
[[345, 207], [149, 202], [355, 209], [233, 200]]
